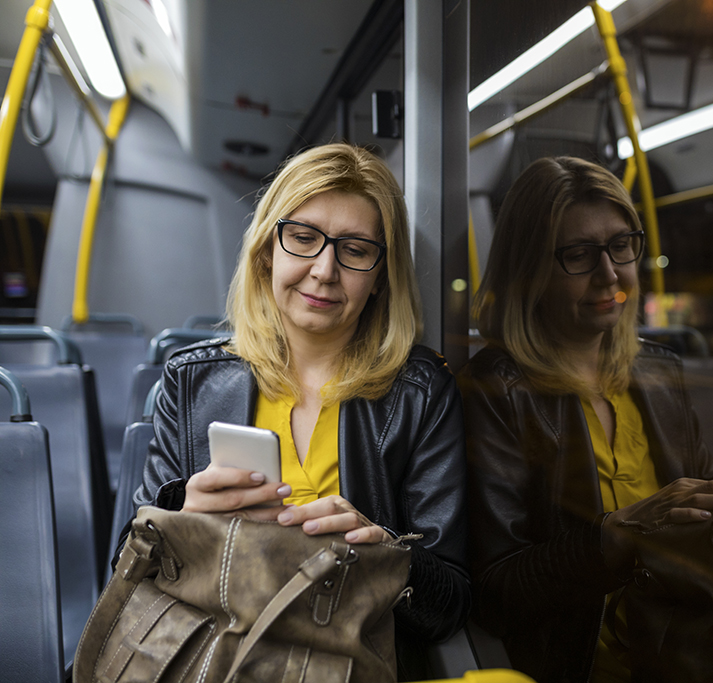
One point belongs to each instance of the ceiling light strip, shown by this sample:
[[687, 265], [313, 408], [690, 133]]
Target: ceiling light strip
[[84, 26], [537, 54], [669, 131]]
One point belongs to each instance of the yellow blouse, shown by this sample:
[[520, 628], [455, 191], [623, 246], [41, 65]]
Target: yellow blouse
[[626, 475], [319, 475]]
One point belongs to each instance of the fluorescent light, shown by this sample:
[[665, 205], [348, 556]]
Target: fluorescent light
[[87, 33], [537, 54], [161, 14], [669, 131]]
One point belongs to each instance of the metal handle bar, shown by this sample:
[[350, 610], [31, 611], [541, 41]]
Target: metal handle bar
[[68, 323], [20, 411], [171, 336], [68, 352]]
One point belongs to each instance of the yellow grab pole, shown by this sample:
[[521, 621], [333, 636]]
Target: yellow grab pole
[[473, 256], [617, 68], [80, 306], [36, 21]]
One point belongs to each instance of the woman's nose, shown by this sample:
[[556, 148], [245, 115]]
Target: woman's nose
[[605, 271], [325, 266]]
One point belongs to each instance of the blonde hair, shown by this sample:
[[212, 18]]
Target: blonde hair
[[391, 320], [519, 269]]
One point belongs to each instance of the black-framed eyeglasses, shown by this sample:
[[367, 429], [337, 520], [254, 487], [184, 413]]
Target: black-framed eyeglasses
[[306, 241], [578, 259]]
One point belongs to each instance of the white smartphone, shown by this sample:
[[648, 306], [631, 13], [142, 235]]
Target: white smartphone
[[248, 448]]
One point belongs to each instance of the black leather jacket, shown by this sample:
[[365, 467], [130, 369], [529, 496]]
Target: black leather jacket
[[535, 504], [401, 463]]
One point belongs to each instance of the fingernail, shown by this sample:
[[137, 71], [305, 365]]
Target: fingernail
[[284, 490], [310, 526], [351, 536], [257, 477], [285, 517], [705, 513]]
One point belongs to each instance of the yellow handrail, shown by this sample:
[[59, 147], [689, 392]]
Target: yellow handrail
[[684, 196], [490, 676], [540, 107], [80, 305], [36, 22], [473, 256], [617, 67], [629, 174]]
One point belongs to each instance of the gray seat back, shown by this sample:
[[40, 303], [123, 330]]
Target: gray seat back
[[64, 401], [145, 375], [30, 622], [133, 457], [113, 358]]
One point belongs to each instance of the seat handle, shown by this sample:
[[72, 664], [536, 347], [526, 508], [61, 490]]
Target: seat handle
[[175, 335], [20, 411], [67, 351]]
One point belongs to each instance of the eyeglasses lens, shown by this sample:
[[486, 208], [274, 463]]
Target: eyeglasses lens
[[355, 253], [585, 258]]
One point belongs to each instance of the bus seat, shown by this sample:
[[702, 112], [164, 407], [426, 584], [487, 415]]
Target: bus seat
[[148, 373], [698, 377], [208, 322], [30, 623], [112, 345], [133, 456], [472, 648], [684, 340], [64, 401]]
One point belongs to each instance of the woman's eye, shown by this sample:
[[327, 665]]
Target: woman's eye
[[577, 254], [304, 238], [353, 251], [620, 245]]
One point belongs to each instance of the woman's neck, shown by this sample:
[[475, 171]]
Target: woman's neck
[[315, 364], [585, 358]]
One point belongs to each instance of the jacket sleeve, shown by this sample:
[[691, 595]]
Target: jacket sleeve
[[164, 478], [433, 504], [522, 573]]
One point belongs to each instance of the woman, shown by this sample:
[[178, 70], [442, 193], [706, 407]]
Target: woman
[[325, 313], [574, 426]]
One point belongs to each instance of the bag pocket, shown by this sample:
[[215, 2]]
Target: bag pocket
[[155, 638], [293, 664]]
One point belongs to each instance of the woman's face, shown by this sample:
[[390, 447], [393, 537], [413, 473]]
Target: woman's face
[[581, 308], [319, 299]]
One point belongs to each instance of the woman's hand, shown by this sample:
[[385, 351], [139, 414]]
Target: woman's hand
[[683, 501], [228, 489], [333, 514]]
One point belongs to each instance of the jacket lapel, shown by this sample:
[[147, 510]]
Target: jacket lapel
[[652, 392]]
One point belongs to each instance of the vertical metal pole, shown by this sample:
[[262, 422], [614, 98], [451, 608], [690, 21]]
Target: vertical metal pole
[[456, 82], [343, 132], [423, 154], [436, 164]]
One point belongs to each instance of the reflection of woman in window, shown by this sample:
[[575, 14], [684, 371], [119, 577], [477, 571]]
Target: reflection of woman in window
[[325, 313], [570, 417]]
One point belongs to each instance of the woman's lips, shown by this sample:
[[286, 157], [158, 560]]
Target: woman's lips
[[318, 302], [604, 305]]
